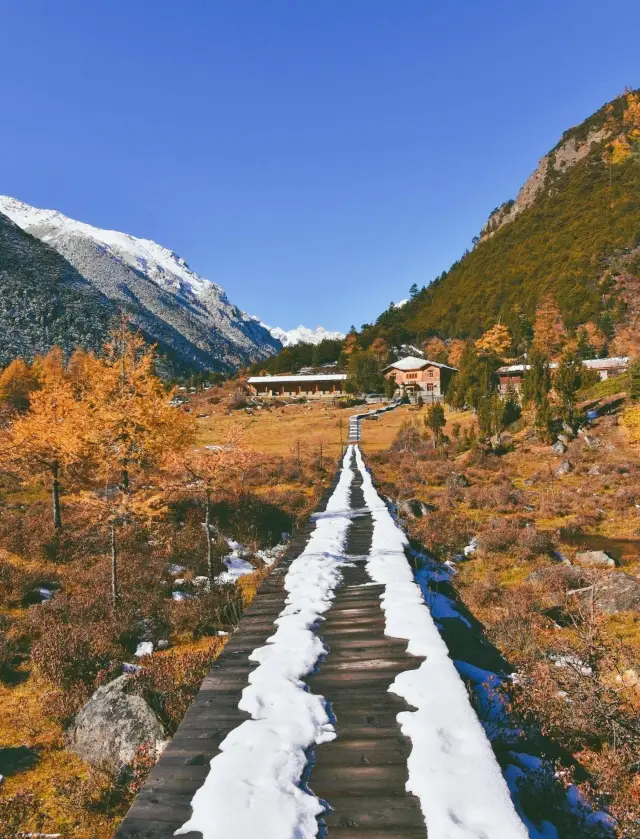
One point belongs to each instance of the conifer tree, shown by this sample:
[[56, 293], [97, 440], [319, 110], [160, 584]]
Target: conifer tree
[[435, 421], [132, 426], [48, 440], [566, 383], [17, 381], [549, 333]]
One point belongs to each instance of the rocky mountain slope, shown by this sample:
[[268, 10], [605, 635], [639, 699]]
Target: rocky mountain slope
[[572, 234], [304, 335], [190, 317], [44, 300]]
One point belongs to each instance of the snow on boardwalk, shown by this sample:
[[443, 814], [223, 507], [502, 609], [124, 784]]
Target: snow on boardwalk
[[253, 787], [258, 746], [452, 768]]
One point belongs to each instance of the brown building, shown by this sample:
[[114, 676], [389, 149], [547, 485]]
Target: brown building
[[312, 385], [512, 375], [420, 375]]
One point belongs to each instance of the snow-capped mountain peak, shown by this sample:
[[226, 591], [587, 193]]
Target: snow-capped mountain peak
[[189, 316], [159, 263], [304, 335]]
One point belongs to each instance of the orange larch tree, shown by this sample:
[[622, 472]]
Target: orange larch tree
[[210, 470], [49, 438], [495, 341], [549, 332]]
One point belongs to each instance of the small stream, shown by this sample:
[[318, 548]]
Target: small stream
[[622, 550]]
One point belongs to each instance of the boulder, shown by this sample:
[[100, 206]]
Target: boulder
[[558, 447], [618, 592], [594, 470], [615, 592], [565, 467], [112, 725], [413, 508], [457, 480], [595, 558]]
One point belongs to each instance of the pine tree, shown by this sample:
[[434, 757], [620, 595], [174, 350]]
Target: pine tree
[[435, 421], [566, 383], [634, 374]]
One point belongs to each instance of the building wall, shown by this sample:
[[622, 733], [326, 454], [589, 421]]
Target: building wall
[[429, 379], [312, 390]]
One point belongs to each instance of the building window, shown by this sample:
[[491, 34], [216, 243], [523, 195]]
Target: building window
[[412, 375], [431, 374], [430, 387]]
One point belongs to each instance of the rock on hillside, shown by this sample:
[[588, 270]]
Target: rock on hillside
[[190, 317], [112, 725]]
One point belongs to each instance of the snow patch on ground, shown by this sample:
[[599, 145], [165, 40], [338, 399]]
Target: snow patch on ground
[[452, 768], [252, 788]]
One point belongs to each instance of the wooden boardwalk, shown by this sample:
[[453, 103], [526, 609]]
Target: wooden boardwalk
[[362, 774]]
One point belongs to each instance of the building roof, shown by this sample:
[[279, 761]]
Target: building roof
[[606, 363], [592, 363], [312, 377], [411, 362]]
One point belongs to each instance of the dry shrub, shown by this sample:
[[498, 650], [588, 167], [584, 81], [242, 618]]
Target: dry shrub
[[239, 399], [443, 533], [589, 707], [170, 682], [409, 437], [498, 535], [17, 812], [516, 632], [533, 542], [206, 614], [502, 496]]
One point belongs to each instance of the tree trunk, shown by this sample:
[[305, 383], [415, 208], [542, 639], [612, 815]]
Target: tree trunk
[[55, 497], [115, 593], [207, 532], [125, 478]]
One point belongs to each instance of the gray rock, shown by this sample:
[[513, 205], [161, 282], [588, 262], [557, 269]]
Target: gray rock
[[457, 480], [112, 725], [163, 644], [558, 447], [564, 468], [616, 592], [595, 470], [595, 558], [413, 508]]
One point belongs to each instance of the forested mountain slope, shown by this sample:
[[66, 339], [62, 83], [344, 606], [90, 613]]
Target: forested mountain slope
[[572, 233]]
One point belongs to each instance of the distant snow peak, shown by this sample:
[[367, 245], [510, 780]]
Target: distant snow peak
[[303, 335]]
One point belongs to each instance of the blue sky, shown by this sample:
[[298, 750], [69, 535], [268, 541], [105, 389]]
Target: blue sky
[[314, 157]]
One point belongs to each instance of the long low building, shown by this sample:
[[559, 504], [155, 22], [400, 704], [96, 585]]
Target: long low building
[[313, 385], [512, 375]]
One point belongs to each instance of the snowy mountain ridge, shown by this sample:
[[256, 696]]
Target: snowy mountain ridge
[[304, 335], [189, 316]]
